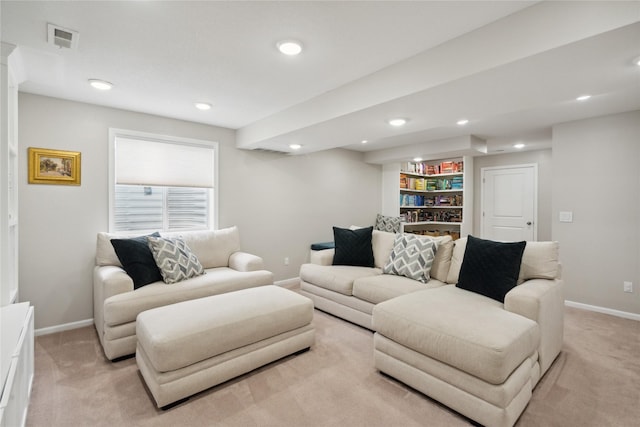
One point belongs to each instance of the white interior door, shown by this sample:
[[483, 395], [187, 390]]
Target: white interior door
[[509, 203]]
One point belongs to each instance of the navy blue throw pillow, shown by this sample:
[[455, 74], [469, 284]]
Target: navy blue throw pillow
[[490, 268], [353, 247], [137, 260]]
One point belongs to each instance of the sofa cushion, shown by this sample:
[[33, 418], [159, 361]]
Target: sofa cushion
[[382, 243], [465, 330], [539, 261], [390, 224], [105, 253], [457, 255], [376, 289], [337, 278], [490, 268], [412, 257], [123, 308], [353, 247], [137, 260], [174, 259], [442, 261], [212, 247]]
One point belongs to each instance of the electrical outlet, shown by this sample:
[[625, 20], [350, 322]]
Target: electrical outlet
[[286, 260], [628, 287]]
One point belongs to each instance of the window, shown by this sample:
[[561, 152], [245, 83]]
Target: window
[[161, 183]]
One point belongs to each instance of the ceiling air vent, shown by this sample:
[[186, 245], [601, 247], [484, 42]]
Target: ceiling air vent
[[62, 37]]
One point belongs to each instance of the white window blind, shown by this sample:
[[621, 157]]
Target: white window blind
[[147, 162], [161, 184]]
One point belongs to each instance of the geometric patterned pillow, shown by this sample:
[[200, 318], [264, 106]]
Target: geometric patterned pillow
[[412, 256], [174, 259], [390, 224]]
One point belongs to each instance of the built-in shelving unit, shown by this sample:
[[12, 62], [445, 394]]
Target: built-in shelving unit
[[16, 339], [435, 196], [8, 180]]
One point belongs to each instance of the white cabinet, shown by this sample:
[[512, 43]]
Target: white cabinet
[[436, 196], [16, 362]]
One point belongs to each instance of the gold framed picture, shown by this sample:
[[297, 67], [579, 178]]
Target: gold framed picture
[[54, 166]]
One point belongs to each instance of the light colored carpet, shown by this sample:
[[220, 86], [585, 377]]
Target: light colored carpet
[[594, 382]]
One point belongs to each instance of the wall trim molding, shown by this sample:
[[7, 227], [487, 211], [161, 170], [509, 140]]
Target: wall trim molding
[[604, 310], [63, 327]]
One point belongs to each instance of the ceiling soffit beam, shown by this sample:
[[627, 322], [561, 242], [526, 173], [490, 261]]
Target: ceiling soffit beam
[[544, 26], [468, 145]]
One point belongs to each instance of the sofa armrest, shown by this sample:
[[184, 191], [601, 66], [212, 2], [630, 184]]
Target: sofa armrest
[[243, 261], [323, 257], [108, 280], [542, 301], [114, 280]]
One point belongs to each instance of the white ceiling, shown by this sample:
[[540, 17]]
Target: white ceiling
[[513, 68]]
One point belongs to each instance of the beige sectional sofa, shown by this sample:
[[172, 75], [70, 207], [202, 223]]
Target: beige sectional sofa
[[352, 292], [117, 304], [479, 356]]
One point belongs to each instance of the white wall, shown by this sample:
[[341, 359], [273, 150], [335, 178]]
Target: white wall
[[280, 203], [542, 158], [596, 175]]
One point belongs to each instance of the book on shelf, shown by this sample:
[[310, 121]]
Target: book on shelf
[[403, 181], [412, 200], [456, 183], [423, 168]]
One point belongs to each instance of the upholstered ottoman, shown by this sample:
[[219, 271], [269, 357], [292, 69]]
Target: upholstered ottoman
[[187, 347], [460, 348]]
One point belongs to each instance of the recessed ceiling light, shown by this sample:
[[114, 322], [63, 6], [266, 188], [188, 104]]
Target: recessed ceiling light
[[518, 145], [202, 106], [100, 84], [462, 122], [583, 97], [397, 122], [637, 61], [295, 146], [364, 141], [417, 159], [290, 47]]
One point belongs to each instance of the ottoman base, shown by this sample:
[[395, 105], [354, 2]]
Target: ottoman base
[[188, 347], [173, 386]]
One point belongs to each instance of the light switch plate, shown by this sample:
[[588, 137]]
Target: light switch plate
[[566, 216]]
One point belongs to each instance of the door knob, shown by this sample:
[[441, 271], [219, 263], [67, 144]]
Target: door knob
[[529, 223]]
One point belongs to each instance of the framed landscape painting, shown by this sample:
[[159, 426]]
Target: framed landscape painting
[[54, 166]]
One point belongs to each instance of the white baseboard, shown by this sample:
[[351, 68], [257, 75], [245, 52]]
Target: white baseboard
[[293, 283], [64, 327], [604, 310]]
